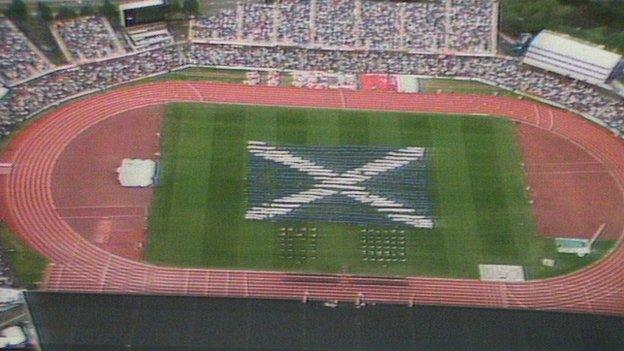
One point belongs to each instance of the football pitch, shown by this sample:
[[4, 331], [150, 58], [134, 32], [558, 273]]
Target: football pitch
[[472, 179]]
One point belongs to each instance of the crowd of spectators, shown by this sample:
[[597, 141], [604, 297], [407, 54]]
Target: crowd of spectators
[[258, 22], [29, 97], [88, 38], [470, 26], [430, 26], [336, 23], [381, 25], [25, 99], [295, 15], [223, 26], [425, 26], [18, 58]]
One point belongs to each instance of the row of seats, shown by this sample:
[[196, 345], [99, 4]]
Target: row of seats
[[19, 59], [88, 38], [436, 25], [27, 98]]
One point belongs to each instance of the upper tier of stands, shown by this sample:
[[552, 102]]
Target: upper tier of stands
[[19, 59], [88, 38], [458, 26]]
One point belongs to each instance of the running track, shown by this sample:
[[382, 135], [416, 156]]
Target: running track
[[79, 266]]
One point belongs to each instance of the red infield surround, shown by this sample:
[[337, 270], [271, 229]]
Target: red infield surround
[[31, 208]]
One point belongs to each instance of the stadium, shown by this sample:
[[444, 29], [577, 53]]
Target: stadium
[[338, 151]]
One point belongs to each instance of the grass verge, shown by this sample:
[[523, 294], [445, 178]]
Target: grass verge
[[29, 265]]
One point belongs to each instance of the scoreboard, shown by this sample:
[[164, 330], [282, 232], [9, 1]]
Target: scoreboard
[[142, 12]]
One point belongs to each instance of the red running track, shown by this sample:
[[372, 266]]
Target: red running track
[[78, 265]]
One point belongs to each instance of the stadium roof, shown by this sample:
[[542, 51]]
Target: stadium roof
[[571, 57]]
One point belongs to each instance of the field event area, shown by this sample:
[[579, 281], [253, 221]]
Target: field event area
[[468, 181]]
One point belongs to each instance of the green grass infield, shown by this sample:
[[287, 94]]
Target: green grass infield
[[476, 186]]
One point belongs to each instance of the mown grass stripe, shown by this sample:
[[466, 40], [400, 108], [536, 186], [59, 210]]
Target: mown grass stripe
[[455, 210], [222, 214], [323, 129], [383, 130], [292, 127], [425, 246], [487, 186], [353, 128]]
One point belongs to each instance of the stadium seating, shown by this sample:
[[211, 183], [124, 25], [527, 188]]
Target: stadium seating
[[19, 59], [432, 26], [88, 38], [415, 33], [25, 99]]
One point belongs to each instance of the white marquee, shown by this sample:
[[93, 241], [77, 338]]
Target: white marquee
[[136, 173], [571, 57]]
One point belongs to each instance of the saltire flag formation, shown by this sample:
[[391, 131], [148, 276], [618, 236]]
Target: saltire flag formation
[[362, 185]]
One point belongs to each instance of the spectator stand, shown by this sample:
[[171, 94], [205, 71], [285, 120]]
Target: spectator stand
[[36, 95], [471, 24], [59, 41], [27, 98], [259, 23], [448, 26], [295, 22], [87, 38], [424, 26], [19, 58], [222, 27]]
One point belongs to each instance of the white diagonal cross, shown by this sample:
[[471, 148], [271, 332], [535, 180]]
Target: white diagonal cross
[[331, 183]]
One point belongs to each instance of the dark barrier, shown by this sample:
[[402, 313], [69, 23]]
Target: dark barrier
[[115, 322]]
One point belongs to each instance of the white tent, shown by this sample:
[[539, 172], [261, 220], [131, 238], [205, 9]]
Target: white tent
[[12, 336], [571, 57], [8, 296], [136, 173]]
